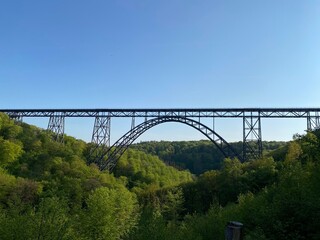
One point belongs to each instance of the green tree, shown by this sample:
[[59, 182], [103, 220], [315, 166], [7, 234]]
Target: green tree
[[8, 128], [230, 181], [294, 152], [9, 152], [50, 221], [110, 214], [173, 205]]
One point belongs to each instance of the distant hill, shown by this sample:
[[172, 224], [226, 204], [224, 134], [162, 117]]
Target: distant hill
[[196, 156]]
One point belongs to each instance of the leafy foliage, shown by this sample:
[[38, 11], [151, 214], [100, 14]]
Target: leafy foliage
[[196, 156], [110, 214], [142, 170], [47, 191]]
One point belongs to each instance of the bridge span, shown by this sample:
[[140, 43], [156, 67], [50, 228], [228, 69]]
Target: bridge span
[[106, 156]]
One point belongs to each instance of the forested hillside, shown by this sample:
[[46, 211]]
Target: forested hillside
[[196, 156], [47, 191]]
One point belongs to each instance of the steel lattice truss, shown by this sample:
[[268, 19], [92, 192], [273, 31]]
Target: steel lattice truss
[[106, 157], [163, 112]]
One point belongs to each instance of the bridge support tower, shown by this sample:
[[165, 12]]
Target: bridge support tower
[[100, 138], [252, 139], [313, 121], [56, 125]]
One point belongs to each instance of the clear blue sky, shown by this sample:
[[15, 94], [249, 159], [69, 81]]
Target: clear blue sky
[[160, 53]]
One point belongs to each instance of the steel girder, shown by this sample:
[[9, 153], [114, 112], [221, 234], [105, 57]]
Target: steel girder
[[110, 157]]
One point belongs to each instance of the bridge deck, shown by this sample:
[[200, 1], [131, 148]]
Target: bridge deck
[[179, 112]]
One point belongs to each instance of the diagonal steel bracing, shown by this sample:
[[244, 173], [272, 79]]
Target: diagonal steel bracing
[[100, 137], [56, 125], [313, 121], [252, 139], [16, 116]]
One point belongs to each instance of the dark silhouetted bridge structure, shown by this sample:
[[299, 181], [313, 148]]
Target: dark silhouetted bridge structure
[[106, 156]]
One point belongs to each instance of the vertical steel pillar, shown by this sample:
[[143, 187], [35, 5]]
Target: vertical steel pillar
[[313, 122], [100, 137], [56, 125], [133, 122], [213, 127], [252, 139]]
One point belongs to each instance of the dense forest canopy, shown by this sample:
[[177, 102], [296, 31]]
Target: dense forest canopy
[[196, 156], [48, 191]]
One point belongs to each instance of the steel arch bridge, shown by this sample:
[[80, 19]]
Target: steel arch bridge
[[113, 153], [106, 156]]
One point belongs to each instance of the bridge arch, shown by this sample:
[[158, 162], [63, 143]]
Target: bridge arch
[[113, 153]]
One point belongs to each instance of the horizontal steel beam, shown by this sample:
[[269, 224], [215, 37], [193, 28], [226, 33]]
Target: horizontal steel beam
[[175, 112]]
